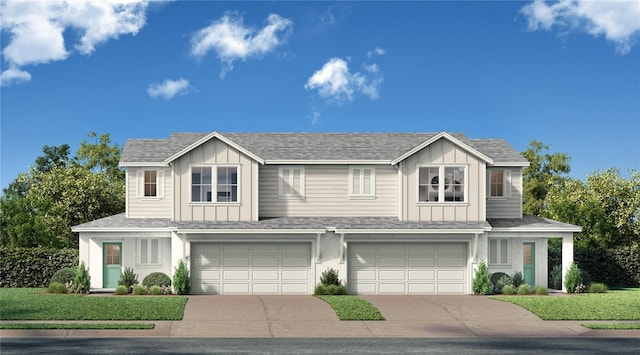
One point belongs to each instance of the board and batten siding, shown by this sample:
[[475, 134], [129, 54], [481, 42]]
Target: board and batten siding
[[211, 153], [327, 193], [510, 206], [443, 152], [139, 206]]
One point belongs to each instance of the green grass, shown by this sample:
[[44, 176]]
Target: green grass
[[352, 308], [32, 304], [99, 326], [612, 326], [614, 305]]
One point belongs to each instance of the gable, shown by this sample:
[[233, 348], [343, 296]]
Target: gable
[[448, 137], [209, 137]]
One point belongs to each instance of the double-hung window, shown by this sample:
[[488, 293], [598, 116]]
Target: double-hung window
[[362, 181], [149, 251], [499, 183], [498, 251], [291, 181], [442, 184], [149, 183], [225, 186]]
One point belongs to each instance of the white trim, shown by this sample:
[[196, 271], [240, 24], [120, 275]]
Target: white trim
[[256, 232], [136, 164], [209, 137], [126, 193], [435, 138], [255, 175], [400, 195], [410, 231], [506, 183], [298, 191], [372, 182], [509, 164], [122, 229], [327, 162], [538, 230]]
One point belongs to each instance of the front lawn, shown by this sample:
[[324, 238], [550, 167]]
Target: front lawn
[[352, 308], [33, 304], [614, 305], [92, 326]]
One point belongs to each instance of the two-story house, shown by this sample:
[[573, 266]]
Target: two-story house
[[267, 213]]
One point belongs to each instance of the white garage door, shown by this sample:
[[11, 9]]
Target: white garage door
[[251, 268], [407, 268]]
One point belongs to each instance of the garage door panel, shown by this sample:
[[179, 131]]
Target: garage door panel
[[422, 288], [207, 274], [451, 275], [415, 275], [391, 249], [235, 275], [391, 288], [262, 275], [358, 275], [206, 260], [394, 275], [264, 248], [422, 248], [451, 248], [232, 248], [295, 248], [364, 288], [386, 261], [292, 275], [444, 288], [265, 261], [237, 261], [363, 248], [297, 261], [451, 261], [295, 288], [265, 288], [363, 260], [231, 288], [422, 261]]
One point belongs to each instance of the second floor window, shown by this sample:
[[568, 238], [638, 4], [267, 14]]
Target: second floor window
[[442, 184], [499, 183], [226, 184], [150, 183], [362, 180], [291, 181]]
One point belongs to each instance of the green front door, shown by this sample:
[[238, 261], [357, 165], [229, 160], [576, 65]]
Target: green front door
[[112, 259], [529, 267]]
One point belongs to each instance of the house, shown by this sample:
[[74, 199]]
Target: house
[[267, 213]]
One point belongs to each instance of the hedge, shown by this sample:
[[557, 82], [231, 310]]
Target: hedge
[[613, 267], [33, 267]]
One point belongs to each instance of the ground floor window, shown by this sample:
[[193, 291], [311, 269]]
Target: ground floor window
[[499, 253]]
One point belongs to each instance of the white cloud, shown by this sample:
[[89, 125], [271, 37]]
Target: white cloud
[[334, 81], [13, 75], [377, 51], [617, 21], [169, 89], [36, 28], [232, 40]]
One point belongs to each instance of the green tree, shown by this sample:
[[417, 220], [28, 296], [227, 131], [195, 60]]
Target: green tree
[[53, 157], [100, 155], [544, 171]]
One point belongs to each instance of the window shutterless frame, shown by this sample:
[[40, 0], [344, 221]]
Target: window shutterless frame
[[442, 184], [214, 183]]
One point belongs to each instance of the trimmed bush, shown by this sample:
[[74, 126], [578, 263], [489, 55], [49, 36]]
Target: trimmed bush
[[122, 290], [139, 290], [597, 287], [482, 281], [156, 290], [64, 275], [517, 279], [156, 279], [540, 290], [499, 280], [57, 287], [33, 267], [82, 280], [128, 278], [508, 290], [181, 283], [320, 290], [524, 289], [330, 290], [572, 279], [330, 277]]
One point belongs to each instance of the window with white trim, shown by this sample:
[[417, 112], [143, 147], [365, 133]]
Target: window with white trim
[[150, 252], [225, 184], [442, 184], [362, 181], [291, 181], [150, 184], [499, 183], [499, 253]]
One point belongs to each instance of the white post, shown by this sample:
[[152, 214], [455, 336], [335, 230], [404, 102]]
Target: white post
[[567, 255]]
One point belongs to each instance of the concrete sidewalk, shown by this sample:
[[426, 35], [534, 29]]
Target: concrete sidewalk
[[310, 317]]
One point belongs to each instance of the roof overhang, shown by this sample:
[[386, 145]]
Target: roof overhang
[[573, 229], [250, 231], [411, 231], [208, 137], [327, 162], [435, 138], [143, 164], [121, 229], [516, 164]]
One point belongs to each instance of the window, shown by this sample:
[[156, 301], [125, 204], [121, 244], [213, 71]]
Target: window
[[363, 181], [434, 188], [498, 251], [499, 183], [291, 181], [149, 251], [226, 184], [150, 183]]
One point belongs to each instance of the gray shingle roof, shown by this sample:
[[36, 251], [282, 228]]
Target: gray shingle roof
[[315, 146], [528, 222]]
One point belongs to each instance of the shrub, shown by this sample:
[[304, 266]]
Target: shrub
[[156, 290], [122, 290], [322, 289], [330, 277], [498, 280], [82, 280], [128, 279], [156, 279], [572, 278], [508, 290], [64, 275], [540, 290], [517, 280], [33, 267], [166, 290], [581, 288], [139, 290], [482, 281], [57, 287], [524, 289], [555, 277], [597, 287], [181, 279]]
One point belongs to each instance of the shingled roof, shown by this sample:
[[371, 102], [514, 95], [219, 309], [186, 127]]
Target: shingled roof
[[315, 146]]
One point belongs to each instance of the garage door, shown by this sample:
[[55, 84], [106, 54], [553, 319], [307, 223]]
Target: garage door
[[407, 268], [251, 268]]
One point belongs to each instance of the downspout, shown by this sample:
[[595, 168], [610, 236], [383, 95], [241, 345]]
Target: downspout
[[341, 248]]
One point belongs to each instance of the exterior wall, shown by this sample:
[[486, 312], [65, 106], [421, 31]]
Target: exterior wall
[[443, 152], [215, 152], [517, 240], [91, 253], [327, 193], [509, 206], [139, 206]]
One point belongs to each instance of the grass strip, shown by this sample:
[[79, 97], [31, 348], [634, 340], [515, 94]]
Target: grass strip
[[614, 305], [99, 326], [352, 308], [33, 304], [612, 326]]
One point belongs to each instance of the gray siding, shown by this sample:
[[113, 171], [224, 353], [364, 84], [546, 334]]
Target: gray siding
[[215, 152], [443, 152], [327, 193], [139, 206], [510, 206]]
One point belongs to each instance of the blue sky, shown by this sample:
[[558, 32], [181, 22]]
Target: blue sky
[[565, 73]]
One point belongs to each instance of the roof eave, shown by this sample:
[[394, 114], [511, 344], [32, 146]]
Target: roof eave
[[435, 138], [574, 229], [411, 231], [513, 163], [142, 163], [326, 162]]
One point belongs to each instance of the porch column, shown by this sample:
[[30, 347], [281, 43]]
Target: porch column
[[567, 255]]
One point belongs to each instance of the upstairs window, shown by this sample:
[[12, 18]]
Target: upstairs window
[[201, 187], [224, 188], [499, 183], [150, 183], [291, 181], [227, 189], [362, 181], [442, 184], [498, 251]]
